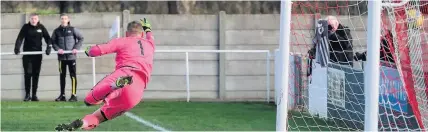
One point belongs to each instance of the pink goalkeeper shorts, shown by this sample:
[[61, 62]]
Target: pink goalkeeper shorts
[[118, 101]]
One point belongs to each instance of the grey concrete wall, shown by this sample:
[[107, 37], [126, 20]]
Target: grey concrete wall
[[228, 76]]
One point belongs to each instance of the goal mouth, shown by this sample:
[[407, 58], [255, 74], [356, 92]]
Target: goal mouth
[[328, 93]]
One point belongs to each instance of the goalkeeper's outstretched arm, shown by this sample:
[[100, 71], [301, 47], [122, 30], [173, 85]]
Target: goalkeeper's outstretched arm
[[150, 39], [102, 49]]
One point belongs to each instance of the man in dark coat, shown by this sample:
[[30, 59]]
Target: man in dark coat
[[31, 34]]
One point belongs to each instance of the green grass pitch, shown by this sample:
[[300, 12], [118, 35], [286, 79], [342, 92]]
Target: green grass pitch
[[174, 116], [171, 115]]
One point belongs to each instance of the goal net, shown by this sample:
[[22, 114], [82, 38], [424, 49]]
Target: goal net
[[330, 40]]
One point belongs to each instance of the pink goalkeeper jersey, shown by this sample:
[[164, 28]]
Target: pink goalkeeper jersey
[[134, 52]]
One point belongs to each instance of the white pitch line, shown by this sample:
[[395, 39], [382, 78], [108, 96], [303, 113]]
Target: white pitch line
[[128, 114], [141, 120], [56, 107]]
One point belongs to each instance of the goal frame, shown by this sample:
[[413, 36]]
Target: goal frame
[[371, 69]]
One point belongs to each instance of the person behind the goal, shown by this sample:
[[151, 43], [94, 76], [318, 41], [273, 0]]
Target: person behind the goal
[[386, 49], [122, 89]]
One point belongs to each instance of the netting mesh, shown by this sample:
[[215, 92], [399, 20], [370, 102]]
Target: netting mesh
[[329, 95], [406, 23]]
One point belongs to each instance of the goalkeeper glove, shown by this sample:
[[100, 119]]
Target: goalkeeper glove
[[87, 51], [146, 25]]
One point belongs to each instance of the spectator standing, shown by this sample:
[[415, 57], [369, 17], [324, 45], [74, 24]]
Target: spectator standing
[[385, 49], [340, 38], [67, 38], [31, 34]]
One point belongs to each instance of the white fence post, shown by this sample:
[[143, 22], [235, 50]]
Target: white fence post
[[267, 77], [118, 26], [187, 77], [94, 77]]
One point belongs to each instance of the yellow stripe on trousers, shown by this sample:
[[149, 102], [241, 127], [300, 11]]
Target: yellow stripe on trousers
[[73, 85]]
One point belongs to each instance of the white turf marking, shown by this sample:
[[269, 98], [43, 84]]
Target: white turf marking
[[128, 114], [55, 107], [141, 120]]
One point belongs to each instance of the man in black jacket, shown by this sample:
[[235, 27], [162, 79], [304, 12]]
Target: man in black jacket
[[339, 47], [67, 38], [385, 49], [32, 33], [340, 39]]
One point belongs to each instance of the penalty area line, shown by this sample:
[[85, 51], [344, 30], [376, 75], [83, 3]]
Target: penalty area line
[[144, 122]]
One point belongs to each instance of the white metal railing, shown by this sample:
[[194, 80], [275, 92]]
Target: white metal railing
[[268, 57], [94, 79]]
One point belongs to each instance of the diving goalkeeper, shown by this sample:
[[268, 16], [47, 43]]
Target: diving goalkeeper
[[123, 89]]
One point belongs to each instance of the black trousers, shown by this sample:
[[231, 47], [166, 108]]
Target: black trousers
[[63, 72], [31, 64]]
